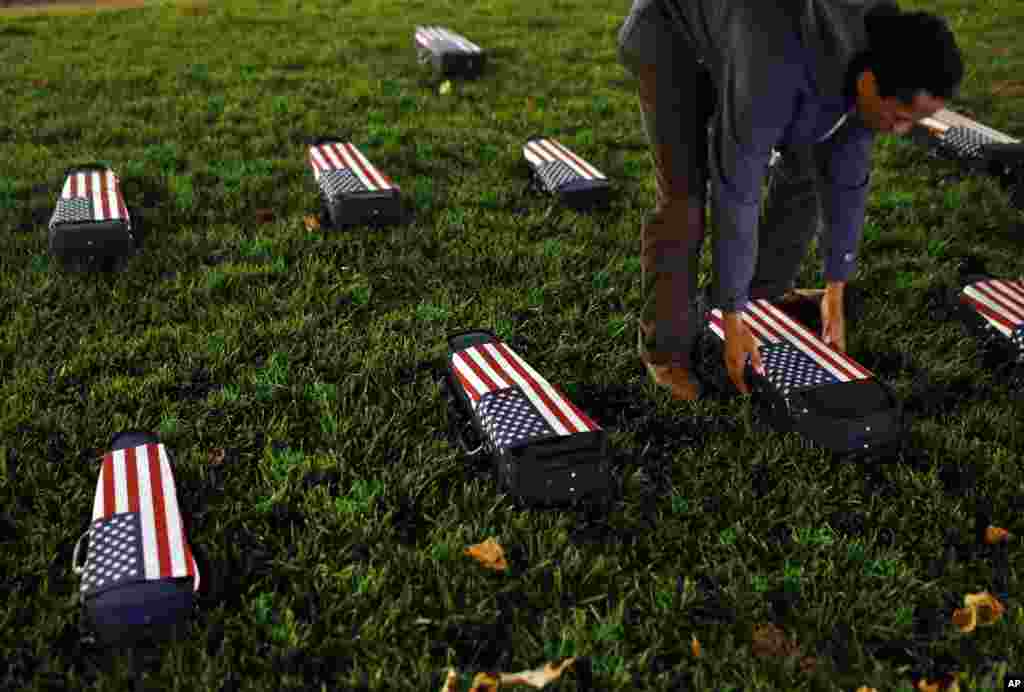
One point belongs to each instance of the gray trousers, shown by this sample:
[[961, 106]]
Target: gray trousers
[[677, 100]]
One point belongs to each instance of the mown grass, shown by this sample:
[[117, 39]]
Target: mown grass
[[291, 370]]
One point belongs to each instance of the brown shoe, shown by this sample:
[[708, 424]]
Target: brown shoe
[[679, 381]]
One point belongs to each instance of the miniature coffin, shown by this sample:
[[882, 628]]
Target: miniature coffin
[[815, 390], [353, 191], [91, 217], [560, 172]]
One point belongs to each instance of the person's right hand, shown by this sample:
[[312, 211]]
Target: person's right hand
[[739, 344]]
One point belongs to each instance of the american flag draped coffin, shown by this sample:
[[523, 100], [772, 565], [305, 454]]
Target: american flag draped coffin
[[449, 53], [815, 390], [546, 450], [353, 191], [139, 575], [979, 146], [996, 306], [91, 217], [561, 172]]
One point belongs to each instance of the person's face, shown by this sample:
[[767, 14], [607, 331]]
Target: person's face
[[891, 114]]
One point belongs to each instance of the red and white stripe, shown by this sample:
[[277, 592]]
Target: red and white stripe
[[1000, 302], [338, 155], [140, 480], [540, 151], [425, 35], [770, 325], [103, 188], [492, 366]]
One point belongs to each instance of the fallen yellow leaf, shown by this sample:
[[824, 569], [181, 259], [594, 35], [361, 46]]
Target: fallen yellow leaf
[[312, 223], [489, 554], [965, 619], [994, 534], [987, 607], [944, 684], [694, 646], [865, 688], [485, 682]]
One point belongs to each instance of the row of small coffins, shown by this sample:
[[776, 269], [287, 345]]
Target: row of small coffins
[[91, 217], [139, 576]]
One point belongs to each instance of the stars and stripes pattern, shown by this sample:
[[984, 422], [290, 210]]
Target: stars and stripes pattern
[[115, 554], [788, 368], [556, 165], [137, 483], [513, 401], [554, 174], [1001, 303], [945, 119], [510, 419], [1018, 341], [963, 142], [961, 136], [90, 196], [437, 39], [342, 165], [778, 337]]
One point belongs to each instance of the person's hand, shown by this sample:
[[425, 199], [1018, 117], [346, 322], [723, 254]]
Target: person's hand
[[739, 345], [833, 318]]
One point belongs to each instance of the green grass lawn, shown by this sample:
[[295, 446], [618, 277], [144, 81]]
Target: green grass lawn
[[338, 517]]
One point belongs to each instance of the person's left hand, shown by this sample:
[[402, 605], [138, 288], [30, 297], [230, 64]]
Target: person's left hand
[[833, 318]]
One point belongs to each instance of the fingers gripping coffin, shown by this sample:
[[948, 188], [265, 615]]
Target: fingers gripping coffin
[[561, 172], [91, 217], [353, 191], [816, 390], [545, 448], [139, 575]]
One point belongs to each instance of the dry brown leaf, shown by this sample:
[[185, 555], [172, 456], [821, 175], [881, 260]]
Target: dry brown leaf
[[947, 683], [451, 683], [865, 688], [994, 534], [489, 554], [216, 457], [537, 678], [965, 619], [531, 104], [770, 640], [1008, 88], [988, 608], [312, 223], [808, 664], [485, 682], [264, 215], [694, 646]]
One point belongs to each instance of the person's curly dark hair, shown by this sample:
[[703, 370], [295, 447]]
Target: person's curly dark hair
[[909, 52]]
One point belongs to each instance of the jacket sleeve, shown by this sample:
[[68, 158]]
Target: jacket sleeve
[[844, 165]]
